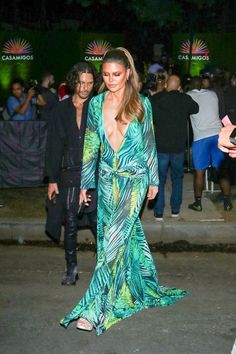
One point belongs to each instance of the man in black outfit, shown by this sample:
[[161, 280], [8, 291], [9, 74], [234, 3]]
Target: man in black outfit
[[50, 98], [171, 109], [64, 155]]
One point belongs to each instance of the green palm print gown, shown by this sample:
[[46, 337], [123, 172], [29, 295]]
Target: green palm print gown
[[125, 279]]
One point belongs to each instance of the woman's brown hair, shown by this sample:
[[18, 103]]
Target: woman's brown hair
[[131, 104]]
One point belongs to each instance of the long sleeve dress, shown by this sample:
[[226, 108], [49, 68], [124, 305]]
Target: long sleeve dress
[[125, 279]]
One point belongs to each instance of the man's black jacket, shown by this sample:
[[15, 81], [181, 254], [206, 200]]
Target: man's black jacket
[[64, 155], [64, 151]]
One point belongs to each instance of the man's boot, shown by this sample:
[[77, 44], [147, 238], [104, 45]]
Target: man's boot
[[71, 275]]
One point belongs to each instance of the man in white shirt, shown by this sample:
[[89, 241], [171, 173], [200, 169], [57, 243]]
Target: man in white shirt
[[206, 126]]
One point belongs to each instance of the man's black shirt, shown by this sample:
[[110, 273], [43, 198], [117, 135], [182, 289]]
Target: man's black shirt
[[171, 111], [51, 100], [64, 152]]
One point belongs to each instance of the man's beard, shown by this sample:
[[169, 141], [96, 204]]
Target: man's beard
[[83, 94]]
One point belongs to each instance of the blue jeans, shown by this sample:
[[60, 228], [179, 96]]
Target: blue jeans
[[176, 163]]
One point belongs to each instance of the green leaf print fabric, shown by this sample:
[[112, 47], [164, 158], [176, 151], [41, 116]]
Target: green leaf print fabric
[[125, 279]]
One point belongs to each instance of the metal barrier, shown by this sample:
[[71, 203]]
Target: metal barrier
[[22, 153]]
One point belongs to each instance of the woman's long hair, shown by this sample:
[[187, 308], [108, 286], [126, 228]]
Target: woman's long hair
[[131, 105]]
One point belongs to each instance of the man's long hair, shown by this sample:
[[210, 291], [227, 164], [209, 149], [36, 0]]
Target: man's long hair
[[131, 105], [73, 76]]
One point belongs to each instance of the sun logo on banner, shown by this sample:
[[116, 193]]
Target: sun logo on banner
[[97, 47], [199, 47], [17, 46], [17, 49]]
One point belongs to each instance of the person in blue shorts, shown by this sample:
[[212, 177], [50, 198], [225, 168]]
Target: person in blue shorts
[[206, 126]]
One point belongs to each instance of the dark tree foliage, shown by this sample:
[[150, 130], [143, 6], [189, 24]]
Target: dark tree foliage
[[143, 22], [121, 14]]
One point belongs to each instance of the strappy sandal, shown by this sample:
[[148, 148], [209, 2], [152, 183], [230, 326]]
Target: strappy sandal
[[84, 325]]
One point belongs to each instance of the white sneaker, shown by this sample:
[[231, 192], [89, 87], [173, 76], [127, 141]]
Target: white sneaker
[[174, 215], [158, 218]]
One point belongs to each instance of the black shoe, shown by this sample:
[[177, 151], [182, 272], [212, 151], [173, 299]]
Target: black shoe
[[158, 217], [228, 205], [195, 206], [70, 277]]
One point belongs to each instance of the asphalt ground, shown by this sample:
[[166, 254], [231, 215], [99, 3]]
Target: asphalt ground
[[32, 302]]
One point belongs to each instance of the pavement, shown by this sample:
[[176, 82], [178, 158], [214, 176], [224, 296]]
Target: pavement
[[32, 302], [211, 226]]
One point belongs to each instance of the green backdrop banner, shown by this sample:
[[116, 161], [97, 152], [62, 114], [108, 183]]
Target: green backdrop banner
[[28, 54], [209, 50]]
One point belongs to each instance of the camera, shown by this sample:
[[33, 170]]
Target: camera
[[151, 81], [33, 84]]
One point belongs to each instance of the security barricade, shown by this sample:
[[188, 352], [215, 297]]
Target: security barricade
[[22, 153]]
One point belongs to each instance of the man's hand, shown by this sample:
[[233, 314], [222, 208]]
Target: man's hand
[[52, 190], [152, 192], [31, 92], [224, 143]]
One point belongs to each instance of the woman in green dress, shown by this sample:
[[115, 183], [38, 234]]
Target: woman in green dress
[[120, 132]]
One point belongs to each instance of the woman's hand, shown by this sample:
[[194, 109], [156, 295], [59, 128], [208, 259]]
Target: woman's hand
[[84, 197], [152, 192]]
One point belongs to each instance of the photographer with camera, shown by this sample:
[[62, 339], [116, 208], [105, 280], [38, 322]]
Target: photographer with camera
[[20, 105], [155, 83]]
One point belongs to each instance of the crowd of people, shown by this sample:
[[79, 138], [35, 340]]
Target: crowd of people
[[214, 93], [207, 101], [109, 149]]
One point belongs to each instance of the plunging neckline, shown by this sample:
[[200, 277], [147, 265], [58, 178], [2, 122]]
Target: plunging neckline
[[105, 133]]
